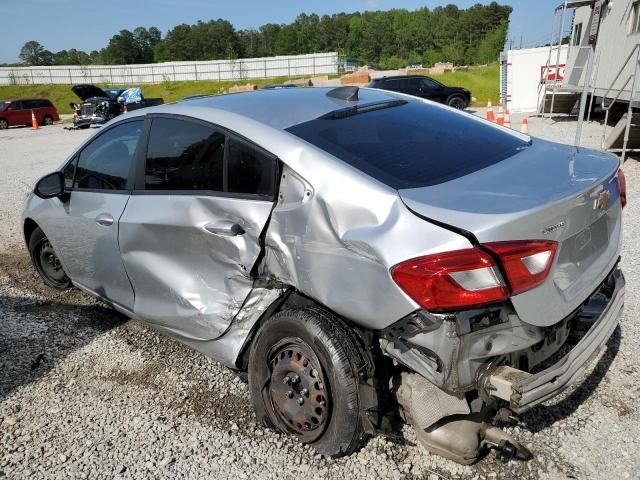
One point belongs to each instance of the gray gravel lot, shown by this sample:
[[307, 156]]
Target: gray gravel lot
[[86, 393]]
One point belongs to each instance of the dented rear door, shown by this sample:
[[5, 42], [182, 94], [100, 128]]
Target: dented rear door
[[190, 234]]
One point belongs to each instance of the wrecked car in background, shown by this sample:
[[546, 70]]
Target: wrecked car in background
[[356, 251], [101, 105]]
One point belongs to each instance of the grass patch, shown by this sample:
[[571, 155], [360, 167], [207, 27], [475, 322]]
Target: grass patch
[[482, 81]]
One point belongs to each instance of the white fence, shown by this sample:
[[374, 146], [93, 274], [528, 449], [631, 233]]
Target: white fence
[[230, 70]]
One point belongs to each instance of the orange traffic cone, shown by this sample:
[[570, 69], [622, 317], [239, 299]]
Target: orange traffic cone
[[507, 118], [524, 127], [34, 122], [500, 119], [125, 110], [490, 116]]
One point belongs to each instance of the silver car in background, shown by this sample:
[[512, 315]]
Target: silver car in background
[[359, 253]]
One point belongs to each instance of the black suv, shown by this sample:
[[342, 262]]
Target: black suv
[[425, 87]]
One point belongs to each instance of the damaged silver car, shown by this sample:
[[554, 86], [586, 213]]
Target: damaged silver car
[[363, 255]]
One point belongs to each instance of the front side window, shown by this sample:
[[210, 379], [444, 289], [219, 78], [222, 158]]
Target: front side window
[[428, 83], [184, 156], [69, 172], [105, 164]]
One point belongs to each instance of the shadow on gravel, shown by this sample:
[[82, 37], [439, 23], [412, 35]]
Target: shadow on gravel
[[544, 416], [39, 326]]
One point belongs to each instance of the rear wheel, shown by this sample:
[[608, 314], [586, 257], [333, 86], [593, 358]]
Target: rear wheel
[[457, 102], [47, 120], [3, 124], [303, 378], [46, 261]]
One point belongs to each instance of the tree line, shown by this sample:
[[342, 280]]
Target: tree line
[[388, 39]]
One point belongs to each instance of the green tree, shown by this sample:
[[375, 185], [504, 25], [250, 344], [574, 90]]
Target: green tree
[[33, 53]]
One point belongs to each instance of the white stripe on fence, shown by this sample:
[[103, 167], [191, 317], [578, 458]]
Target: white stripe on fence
[[241, 69]]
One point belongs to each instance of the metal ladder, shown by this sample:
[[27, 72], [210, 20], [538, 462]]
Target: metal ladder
[[555, 37], [635, 54]]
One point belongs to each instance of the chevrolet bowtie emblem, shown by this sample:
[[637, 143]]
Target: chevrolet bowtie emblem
[[602, 201]]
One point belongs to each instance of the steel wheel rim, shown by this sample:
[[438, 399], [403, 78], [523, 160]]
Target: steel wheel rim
[[3, 124], [48, 121], [49, 263], [297, 390]]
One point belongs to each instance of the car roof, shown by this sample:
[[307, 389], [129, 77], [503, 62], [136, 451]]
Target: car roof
[[401, 76], [285, 107]]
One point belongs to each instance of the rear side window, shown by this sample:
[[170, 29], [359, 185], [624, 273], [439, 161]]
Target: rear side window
[[184, 156], [396, 84], [250, 171], [44, 104], [30, 104], [410, 145], [105, 164]]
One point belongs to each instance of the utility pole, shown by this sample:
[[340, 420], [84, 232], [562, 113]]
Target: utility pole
[[521, 37]]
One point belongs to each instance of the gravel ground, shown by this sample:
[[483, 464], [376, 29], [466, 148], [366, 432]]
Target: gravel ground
[[87, 393]]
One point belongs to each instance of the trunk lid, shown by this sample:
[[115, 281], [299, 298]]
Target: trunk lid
[[547, 191]]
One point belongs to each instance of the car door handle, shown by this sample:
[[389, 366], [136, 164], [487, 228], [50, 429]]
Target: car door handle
[[104, 219], [224, 229]]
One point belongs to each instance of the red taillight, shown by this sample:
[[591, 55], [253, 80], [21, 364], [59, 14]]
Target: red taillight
[[468, 278], [622, 187], [525, 263], [457, 279]]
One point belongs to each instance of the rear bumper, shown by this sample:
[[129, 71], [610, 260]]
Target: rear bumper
[[524, 390]]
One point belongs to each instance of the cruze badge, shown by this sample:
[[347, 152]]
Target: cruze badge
[[602, 200]]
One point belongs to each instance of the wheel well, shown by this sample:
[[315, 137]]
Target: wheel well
[[29, 227], [456, 95], [375, 369], [293, 299]]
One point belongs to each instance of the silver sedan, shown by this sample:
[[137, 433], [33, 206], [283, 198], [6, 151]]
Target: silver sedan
[[357, 252]]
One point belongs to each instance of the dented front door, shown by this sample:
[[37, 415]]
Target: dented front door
[[189, 258]]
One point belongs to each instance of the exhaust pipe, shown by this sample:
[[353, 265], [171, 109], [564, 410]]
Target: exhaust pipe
[[444, 425]]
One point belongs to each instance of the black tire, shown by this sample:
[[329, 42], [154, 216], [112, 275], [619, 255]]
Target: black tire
[[329, 346], [47, 120], [3, 124], [457, 102], [46, 261]]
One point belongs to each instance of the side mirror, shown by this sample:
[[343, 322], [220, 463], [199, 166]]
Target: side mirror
[[50, 186]]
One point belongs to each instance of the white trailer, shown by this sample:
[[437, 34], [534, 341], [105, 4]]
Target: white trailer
[[522, 73]]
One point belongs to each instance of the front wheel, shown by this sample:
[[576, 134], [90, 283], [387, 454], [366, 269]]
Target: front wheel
[[3, 124], [303, 378], [46, 261], [457, 102]]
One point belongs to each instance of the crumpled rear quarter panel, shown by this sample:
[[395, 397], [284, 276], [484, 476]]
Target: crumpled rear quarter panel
[[336, 236]]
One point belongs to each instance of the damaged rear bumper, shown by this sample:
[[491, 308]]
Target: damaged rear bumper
[[524, 390]]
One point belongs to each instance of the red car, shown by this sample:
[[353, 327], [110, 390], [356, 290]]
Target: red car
[[18, 112]]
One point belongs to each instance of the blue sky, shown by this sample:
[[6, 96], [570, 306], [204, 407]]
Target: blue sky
[[88, 25]]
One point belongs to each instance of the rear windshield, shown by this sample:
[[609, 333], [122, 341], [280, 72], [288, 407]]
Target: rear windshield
[[410, 145]]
